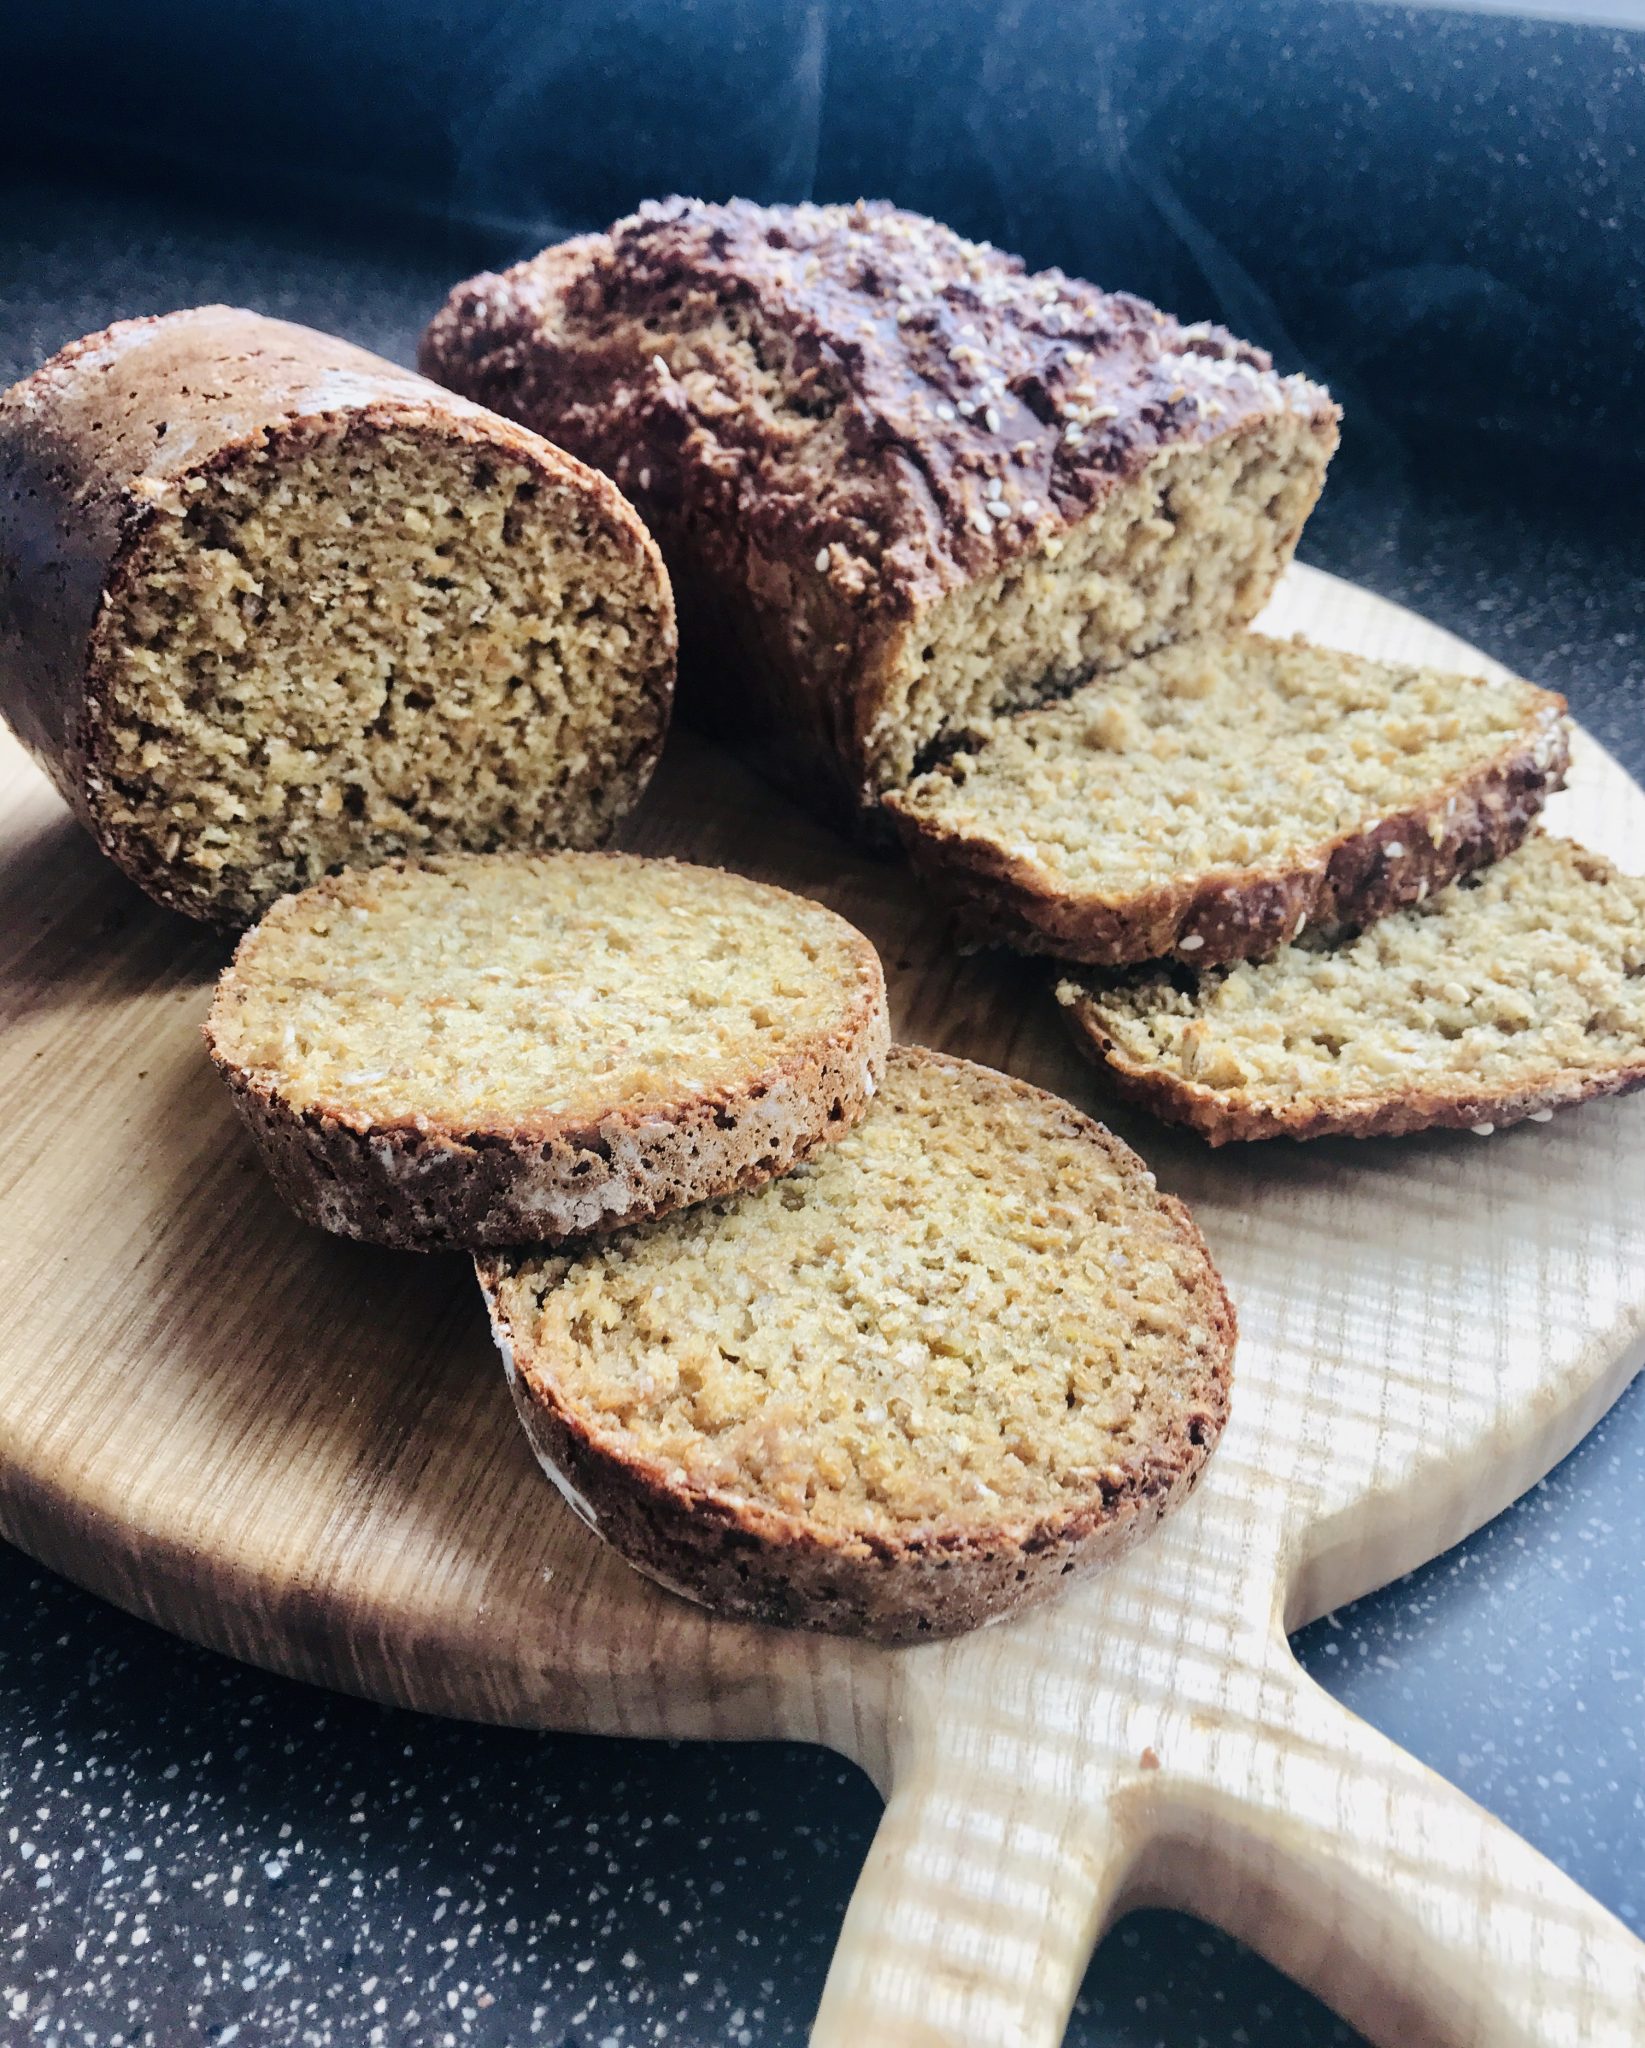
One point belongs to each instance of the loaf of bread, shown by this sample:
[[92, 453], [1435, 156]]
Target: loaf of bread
[[1214, 799], [902, 483], [498, 1049], [963, 1353], [269, 606], [1519, 991]]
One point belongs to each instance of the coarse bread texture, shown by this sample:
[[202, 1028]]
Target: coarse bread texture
[[901, 481], [506, 1048], [1519, 991], [1213, 799], [908, 1389], [270, 606]]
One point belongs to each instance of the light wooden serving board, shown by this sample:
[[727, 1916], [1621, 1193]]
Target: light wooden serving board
[[302, 1452]]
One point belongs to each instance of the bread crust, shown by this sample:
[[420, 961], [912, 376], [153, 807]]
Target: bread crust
[[431, 1188], [822, 588], [998, 898], [97, 448], [746, 1559], [1233, 1119]]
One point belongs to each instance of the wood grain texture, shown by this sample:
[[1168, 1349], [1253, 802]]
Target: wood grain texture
[[302, 1452]]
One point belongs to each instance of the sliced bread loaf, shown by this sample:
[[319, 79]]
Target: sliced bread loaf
[[1516, 992], [911, 1387], [1215, 798], [901, 481], [270, 605], [501, 1049]]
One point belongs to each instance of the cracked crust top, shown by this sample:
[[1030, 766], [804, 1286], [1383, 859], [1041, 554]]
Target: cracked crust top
[[960, 380], [510, 1048]]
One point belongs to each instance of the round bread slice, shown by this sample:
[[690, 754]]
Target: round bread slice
[[1516, 993], [511, 1048], [1212, 800], [967, 1351]]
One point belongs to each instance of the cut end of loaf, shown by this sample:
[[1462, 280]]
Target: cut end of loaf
[[357, 640], [954, 1358], [1193, 545]]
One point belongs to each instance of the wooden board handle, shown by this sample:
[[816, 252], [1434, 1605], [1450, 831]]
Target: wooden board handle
[[1411, 1911], [1421, 1919], [971, 1923]]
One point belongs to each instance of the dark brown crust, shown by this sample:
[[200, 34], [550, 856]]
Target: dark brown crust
[[878, 318], [743, 1558], [1001, 899], [433, 1189], [97, 446]]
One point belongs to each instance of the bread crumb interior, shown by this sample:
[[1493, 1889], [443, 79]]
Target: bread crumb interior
[[1219, 755], [963, 1313], [497, 994], [1195, 544], [367, 641], [1528, 970]]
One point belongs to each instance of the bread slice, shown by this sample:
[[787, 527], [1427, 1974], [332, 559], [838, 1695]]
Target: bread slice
[[1215, 798], [500, 1049], [1517, 992], [270, 605], [901, 481], [967, 1351]]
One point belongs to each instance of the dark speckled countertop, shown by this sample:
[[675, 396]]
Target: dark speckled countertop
[[191, 1851]]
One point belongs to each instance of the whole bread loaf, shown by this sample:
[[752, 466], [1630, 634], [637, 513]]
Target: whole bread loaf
[[901, 481], [270, 605]]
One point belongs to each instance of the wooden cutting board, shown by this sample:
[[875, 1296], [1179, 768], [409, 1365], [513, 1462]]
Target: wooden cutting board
[[302, 1452]]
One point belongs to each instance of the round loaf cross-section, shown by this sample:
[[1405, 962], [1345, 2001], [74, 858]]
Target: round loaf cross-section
[[270, 606], [911, 1388], [492, 1049]]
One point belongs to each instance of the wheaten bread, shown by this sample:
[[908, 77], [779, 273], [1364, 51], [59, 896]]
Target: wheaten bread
[[1213, 799], [907, 1389], [497, 1049], [269, 606], [1516, 992], [901, 481]]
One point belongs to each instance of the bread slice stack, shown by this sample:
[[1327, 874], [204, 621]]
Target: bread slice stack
[[1310, 888], [810, 1336]]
